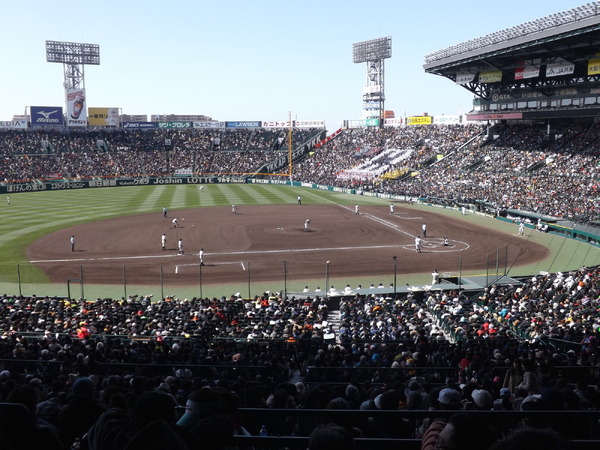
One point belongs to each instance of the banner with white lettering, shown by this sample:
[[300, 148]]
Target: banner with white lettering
[[139, 125], [47, 116], [211, 125], [244, 124], [175, 125], [528, 69]]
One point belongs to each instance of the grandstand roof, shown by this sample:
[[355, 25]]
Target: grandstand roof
[[569, 40]]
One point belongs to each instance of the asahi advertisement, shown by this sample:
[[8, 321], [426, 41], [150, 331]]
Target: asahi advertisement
[[76, 114]]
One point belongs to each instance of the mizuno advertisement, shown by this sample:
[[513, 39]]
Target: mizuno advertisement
[[47, 116]]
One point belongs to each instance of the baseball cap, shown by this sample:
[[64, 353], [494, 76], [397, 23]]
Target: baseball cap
[[482, 398], [449, 396]]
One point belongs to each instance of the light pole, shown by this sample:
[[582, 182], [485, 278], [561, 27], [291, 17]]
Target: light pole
[[284, 280], [327, 279], [395, 258]]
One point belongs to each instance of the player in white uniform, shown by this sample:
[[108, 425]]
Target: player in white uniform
[[233, 209], [306, 223], [356, 210], [201, 256], [521, 229], [163, 241], [299, 200], [72, 243], [418, 242], [391, 208], [174, 222], [180, 246], [424, 228], [435, 277]]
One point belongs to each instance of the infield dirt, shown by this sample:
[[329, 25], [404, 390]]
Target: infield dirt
[[264, 241]]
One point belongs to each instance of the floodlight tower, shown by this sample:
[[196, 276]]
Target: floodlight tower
[[373, 52], [74, 56]]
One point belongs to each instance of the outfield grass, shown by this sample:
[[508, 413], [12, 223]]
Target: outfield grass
[[32, 215]]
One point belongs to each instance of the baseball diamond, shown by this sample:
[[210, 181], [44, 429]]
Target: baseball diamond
[[260, 238]]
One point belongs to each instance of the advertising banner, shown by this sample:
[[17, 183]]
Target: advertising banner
[[47, 116], [175, 125], [557, 67], [274, 124], [76, 112], [447, 120], [215, 125], [464, 77], [395, 122], [528, 69], [13, 124], [490, 76], [244, 124], [139, 125], [419, 120], [594, 65], [103, 117]]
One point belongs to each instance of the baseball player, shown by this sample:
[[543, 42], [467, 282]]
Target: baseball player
[[356, 210], [391, 208], [521, 229], [306, 223], [174, 222], [163, 241], [233, 209], [201, 256], [424, 228], [180, 246], [72, 243], [418, 242], [435, 277], [299, 200], [165, 213]]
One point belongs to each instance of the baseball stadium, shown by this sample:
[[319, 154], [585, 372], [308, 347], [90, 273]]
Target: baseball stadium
[[416, 282]]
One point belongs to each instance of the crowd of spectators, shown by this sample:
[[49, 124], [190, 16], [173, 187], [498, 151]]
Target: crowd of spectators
[[34, 155], [119, 373], [507, 167], [442, 351]]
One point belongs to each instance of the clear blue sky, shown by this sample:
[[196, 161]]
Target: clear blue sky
[[246, 60]]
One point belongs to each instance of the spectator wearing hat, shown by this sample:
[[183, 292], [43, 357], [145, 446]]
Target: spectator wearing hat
[[449, 399], [482, 399]]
